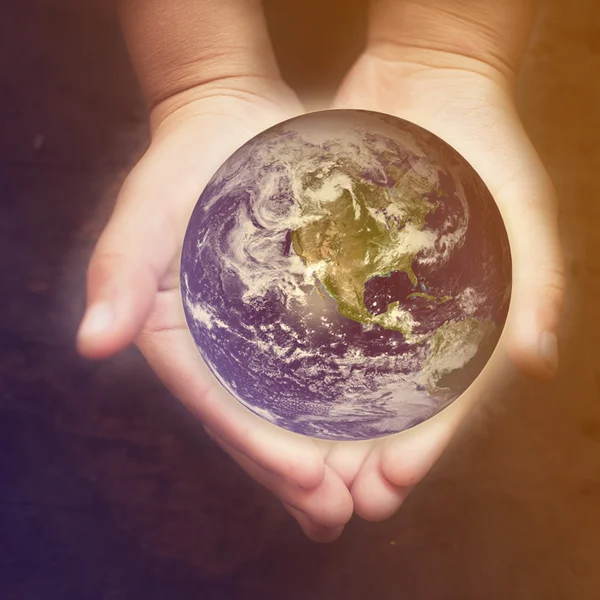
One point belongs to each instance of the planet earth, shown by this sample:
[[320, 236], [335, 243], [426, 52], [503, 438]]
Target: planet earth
[[346, 275]]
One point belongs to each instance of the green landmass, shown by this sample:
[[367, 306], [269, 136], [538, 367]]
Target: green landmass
[[356, 237]]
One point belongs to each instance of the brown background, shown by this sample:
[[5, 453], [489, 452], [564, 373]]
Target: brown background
[[108, 491]]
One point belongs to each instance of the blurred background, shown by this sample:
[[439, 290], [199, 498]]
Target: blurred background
[[108, 490]]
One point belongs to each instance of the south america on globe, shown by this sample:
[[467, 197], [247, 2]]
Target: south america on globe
[[346, 275]]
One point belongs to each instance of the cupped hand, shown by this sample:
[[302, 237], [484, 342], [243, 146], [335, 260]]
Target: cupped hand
[[133, 285], [471, 107], [134, 290]]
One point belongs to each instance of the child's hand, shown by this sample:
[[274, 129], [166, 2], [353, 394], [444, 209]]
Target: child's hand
[[469, 103], [133, 280]]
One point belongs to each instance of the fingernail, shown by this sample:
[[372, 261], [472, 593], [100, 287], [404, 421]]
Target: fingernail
[[97, 320], [549, 350]]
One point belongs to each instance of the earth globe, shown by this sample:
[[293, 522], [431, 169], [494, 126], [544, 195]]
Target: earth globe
[[346, 275]]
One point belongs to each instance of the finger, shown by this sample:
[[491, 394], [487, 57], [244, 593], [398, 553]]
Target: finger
[[329, 505], [375, 497], [538, 277], [515, 175], [407, 457], [175, 359], [346, 459], [314, 531], [135, 250], [508, 163], [144, 235], [399, 462]]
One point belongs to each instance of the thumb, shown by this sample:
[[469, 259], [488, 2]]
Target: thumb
[[527, 200], [538, 279], [131, 258], [143, 237], [498, 147]]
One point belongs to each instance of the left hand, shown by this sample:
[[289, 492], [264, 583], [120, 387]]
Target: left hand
[[211, 81]]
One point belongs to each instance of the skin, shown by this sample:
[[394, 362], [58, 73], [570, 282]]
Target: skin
[[207, 70]]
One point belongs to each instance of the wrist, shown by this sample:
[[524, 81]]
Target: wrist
[[242, 97], [480, 36], [178, 47]]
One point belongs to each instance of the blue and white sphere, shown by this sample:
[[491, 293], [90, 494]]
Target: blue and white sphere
[[346, 275]]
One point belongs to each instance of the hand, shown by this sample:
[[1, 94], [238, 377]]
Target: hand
[[470, 106], [134, 295], [206, 101]]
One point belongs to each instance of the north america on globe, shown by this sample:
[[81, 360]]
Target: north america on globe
[[346, 275]]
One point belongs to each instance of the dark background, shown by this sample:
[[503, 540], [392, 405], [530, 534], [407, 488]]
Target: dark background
[[109, 491]]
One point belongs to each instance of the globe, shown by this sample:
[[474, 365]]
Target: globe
[[346, 275]]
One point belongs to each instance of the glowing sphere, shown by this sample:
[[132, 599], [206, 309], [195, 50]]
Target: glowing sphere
[[346, 275]]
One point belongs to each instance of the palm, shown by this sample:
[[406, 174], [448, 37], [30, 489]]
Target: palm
[[177, 167], [269, 455], [475, 115]]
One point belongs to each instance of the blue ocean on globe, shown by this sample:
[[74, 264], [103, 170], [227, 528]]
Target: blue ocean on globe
[[346, 275]]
